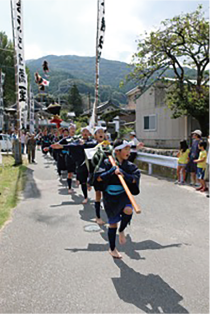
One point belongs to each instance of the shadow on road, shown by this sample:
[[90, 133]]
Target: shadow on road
[[31, 190], [130, 248], [150, 293]]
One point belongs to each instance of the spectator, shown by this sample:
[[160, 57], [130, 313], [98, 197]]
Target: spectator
[[208, 166], [23, 141], [194, 153], [31, 146], [201, 166], [135, 144], [183, 158]]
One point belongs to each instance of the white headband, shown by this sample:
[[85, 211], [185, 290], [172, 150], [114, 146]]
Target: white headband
[[123, 145], [72, 126], [85, 128], [99, 128]]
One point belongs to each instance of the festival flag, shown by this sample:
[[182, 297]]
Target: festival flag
[[101, 27], [21, 71], [45, 82]]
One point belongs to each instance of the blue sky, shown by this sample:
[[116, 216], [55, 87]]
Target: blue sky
[[68, 27]]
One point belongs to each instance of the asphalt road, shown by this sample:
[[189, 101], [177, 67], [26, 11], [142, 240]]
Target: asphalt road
[[50, 264]]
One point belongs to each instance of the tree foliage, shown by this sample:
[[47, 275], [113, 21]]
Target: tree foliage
[[180, 42], [7, 66], [75, 100]]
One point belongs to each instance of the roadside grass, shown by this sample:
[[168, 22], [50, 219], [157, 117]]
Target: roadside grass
[[12, 182]]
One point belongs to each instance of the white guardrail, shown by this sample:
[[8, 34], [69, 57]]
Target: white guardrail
[[154, 159]]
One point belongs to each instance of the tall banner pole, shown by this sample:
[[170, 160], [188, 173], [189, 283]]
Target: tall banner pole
[[99, 45], [95, 105], [21, 70], [16, 67], [31, 118], [2, 76], [20, 73]]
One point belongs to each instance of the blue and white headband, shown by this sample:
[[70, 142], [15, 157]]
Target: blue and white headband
[[123, 145]]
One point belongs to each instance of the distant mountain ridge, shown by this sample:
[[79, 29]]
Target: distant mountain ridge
[[81, 70]]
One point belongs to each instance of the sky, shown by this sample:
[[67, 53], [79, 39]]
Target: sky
[[68, 27]]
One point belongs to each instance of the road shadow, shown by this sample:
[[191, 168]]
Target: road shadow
[[31, 190], [130, 248], [150, 293], [52, 220]]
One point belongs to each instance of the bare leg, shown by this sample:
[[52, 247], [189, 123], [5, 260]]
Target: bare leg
[[97, 200], [128, 212]]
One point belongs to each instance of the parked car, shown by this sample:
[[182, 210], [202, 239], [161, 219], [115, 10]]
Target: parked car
[[5, 142]]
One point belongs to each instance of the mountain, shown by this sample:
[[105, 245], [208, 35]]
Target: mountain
[[70, 69], [66, 70]]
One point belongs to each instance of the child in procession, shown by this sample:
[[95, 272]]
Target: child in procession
[[116, 202]]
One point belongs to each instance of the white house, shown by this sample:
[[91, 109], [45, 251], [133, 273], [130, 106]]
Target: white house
[[154, 125]]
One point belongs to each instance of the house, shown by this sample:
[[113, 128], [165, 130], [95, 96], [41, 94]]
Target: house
[[104, 107], [154, 125]]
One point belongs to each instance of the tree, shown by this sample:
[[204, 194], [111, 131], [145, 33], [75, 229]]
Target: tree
[[75, 100], [180, 43], [7, 66]]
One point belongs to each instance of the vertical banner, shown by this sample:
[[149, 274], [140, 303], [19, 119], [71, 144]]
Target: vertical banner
[[21, 71], [32, 122], [101, 26], [2, 77]]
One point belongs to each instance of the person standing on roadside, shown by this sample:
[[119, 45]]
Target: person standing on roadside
[[135, 145], [23, 141], [208, 167], [31, 148], [193, 155]]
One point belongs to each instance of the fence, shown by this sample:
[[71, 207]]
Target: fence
[[154, 159]]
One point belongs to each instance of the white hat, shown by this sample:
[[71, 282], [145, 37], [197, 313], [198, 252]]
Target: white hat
[[198, 132]]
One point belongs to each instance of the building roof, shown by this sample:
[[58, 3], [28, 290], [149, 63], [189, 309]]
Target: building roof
[[101, 107], [133, 91]]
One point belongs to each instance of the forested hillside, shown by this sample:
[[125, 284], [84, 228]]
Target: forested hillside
[[67, 70]]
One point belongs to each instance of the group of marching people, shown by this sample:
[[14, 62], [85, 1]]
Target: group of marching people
[[70, 153]]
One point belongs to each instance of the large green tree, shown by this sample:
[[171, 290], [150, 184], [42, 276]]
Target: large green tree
[[180, 43], [75, 100], [7, 66]]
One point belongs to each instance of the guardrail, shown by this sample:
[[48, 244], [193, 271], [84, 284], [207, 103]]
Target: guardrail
[[154, 159]]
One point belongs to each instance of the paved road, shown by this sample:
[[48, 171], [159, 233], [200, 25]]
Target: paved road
[[50, 264]]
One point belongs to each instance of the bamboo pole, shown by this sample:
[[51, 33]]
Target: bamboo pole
[[130, 196]]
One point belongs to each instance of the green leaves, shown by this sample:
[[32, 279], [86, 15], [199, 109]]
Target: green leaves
[[180, 42]]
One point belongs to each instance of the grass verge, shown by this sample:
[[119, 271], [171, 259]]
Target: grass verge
[[12, 182]]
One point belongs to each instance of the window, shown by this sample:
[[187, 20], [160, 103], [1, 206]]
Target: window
[[150, 122]]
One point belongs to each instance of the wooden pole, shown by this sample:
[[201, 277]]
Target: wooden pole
[[130, 196], [97, 67]]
